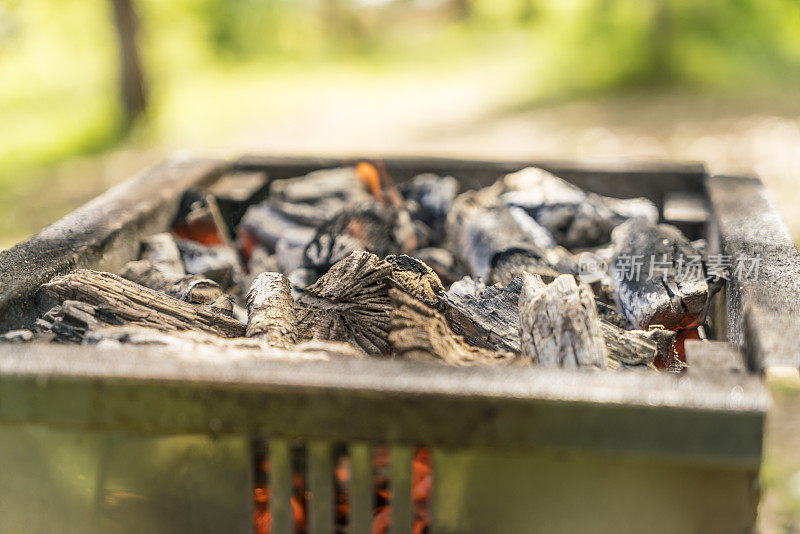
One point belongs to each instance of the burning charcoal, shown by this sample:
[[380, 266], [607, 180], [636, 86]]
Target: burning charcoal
[[674, 296], [270, 310], [559, 326], [421, 333], [266, 225], [575, 218], [486, 317], [485, 238], [433, 197], [188, 288], [365, 228], [349, 303], [200, 220], [441, 261], [123, 301], [219, 263], [196, 345], [416, 279], [161, 249], [16, 336]]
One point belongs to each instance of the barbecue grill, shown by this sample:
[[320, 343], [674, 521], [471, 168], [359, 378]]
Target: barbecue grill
[[144, 439]]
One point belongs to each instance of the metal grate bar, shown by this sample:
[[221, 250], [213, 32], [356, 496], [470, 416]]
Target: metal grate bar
[[400, 480], [361, 488], [280, 486], [320, 484]]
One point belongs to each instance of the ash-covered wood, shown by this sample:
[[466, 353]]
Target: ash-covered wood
[[431, 198], [421, 333], [513, 263], [16, 336], [271, 314], [218, 262], [196, 344], [71, 320], [123, 301], [349, 303], [415, 278], [485, 316], [265, 225], [441, 261], [369, 227], [559, 326], [161, 249], [487, 237], [186, 287], [575, 218], [628, 347], [653, 278]]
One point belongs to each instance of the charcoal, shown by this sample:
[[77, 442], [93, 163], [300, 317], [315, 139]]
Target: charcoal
[[349, 303], [219, 263], [188, 288], [260, 261], [415, 278], [481, 236], [115, 299], [610, 315], [161, 249], [289, 255], [575, 218], [441, 261], [513, 263], [431, 197], [419, 332], [342, 184], [71, 320], [674, 296], [557, 256], [266, 225], [271, 314], [628, 347], [559, 326], [224, 305], [367, 227], [208, 346], [485, 316], [16, 336]]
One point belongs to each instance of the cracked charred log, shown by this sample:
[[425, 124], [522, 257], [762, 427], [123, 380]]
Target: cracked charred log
[[559, 326], [419, 332], [667, 286], [349, 303]]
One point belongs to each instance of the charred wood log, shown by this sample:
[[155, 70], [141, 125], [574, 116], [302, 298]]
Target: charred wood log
[[441, 261], [628, 347], [124, 301], [367, 227], [415, 278], [559, 326], [575, 218], [485, 317], [161, 249], [349, 303], [318, 196], [271, 314], [430, 198], [188, 288], [652, 278], [486, 238], [16, 336], [419, 332], [219, 262], [266, 225], [198, 345]]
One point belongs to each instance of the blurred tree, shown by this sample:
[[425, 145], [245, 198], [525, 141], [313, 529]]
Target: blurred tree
[[133, 86]]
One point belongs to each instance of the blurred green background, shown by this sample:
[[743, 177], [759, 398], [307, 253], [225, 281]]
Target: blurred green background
[[669, 79], [710, 80]]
